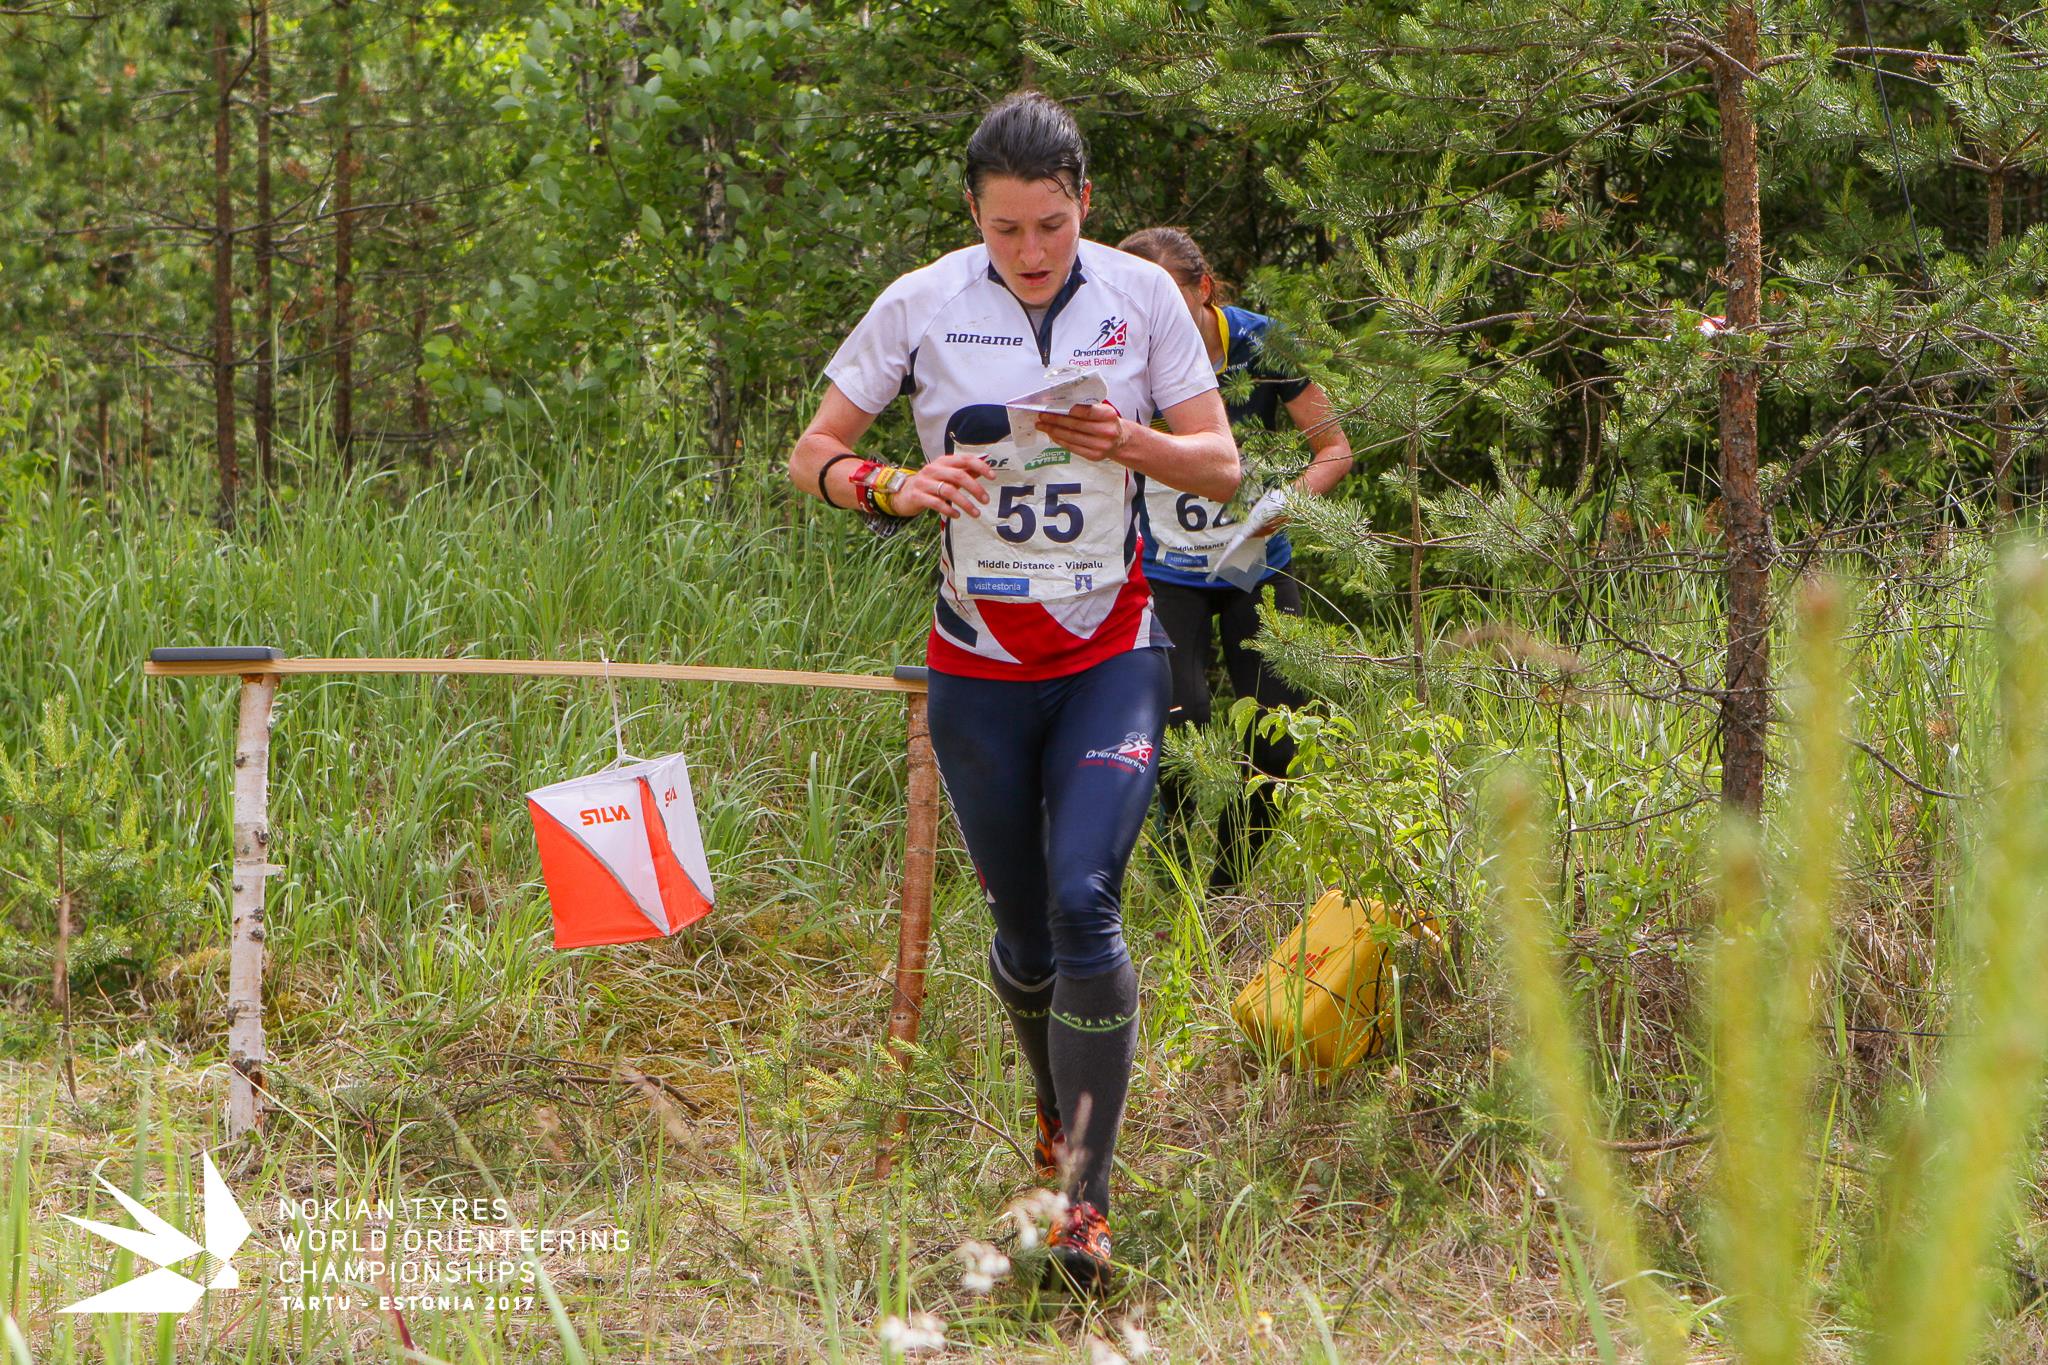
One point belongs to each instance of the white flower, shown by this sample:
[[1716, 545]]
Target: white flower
[[983, 1266], [1101, 1352], [1032, 1212], [1137, 1341], [923, 1332]]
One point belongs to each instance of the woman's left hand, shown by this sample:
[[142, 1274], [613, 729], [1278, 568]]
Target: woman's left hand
[[1094, 431]]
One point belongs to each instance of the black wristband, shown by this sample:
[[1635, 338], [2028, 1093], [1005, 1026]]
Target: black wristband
[[823, 496]]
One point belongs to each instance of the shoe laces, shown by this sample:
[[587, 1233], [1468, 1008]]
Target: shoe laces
[[1085, 1228]]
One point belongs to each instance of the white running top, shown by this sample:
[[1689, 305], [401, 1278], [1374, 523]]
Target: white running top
[[954, 339]]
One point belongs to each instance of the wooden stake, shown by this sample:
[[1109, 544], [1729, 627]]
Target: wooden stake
[[914, 919], [246, 1053], [60, 983]]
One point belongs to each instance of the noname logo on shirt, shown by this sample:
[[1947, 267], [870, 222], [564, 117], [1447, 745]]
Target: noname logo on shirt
[[981, 339]]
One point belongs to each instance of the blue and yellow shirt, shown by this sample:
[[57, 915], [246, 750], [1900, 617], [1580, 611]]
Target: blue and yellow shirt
[[1184, 534]]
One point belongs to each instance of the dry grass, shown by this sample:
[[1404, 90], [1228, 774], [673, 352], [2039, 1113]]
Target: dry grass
[[727, 1094]]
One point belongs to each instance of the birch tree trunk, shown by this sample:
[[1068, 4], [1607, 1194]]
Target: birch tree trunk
[[247, 1053]]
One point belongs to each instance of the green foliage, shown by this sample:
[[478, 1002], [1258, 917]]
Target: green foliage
[[1521, 229], [697, 194], [25, 378], [105, 231], [1395, 847], [77, 833]]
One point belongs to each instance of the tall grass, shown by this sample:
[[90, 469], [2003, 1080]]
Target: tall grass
[[1557, 1062], [1761, 1003], [719, 1089], [1956, 1165]]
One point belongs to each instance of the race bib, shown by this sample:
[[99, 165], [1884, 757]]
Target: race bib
[[1053, 527], [1188, 530]]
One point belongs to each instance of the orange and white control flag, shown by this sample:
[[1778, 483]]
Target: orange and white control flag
[[621, 853]]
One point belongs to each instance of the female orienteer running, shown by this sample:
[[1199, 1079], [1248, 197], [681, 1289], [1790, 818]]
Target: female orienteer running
[[1185, 533], [1049, 678]]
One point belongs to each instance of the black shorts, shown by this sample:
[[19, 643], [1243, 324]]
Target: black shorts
[[1186, 614]]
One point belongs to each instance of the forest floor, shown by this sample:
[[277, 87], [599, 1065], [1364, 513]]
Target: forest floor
[[688, 1127], [719, 1097]]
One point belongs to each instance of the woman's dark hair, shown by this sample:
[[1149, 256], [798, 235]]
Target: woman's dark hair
[[1173, 250], [1028, 136]]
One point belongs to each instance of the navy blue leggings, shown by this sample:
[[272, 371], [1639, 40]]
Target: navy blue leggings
[[1051, 781]]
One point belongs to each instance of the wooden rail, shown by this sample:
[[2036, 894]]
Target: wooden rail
[[533, 668], [261, 669]]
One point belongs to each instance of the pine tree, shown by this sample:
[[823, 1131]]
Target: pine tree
[[78, 842], [1554, 250]]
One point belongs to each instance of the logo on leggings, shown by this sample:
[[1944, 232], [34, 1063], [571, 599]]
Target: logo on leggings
[[1135, 753]]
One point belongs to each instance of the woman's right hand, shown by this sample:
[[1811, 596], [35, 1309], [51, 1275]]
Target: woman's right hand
[[949, 485]]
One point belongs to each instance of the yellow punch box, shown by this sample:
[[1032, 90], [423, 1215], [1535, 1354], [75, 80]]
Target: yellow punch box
[[1326, 997]]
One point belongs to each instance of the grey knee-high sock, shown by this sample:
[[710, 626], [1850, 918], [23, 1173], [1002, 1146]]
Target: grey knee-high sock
[[1094, 1039], [1030, 1010]]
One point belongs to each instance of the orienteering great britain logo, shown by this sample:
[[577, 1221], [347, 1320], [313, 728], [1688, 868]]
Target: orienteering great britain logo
[[165, 1290], [1134, 754], [1112, 336]]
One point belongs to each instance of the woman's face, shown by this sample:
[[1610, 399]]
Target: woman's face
[[1196, 296], [1032, 229]]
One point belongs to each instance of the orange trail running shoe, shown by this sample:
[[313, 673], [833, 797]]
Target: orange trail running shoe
[[1080, 1247], [1050, 1151]]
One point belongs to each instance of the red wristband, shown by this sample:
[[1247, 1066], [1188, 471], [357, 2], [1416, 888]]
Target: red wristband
[[863, 478]]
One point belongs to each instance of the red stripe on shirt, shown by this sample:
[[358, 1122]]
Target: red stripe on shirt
[[1043, 647]]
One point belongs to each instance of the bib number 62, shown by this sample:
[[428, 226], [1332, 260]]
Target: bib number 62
[[1018, 520], [1193, 514]]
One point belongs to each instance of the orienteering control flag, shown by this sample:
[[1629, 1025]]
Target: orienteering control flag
[[621, 853]]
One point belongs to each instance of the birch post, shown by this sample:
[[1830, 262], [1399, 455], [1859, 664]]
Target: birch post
[[914, 919], [246, 1051]]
